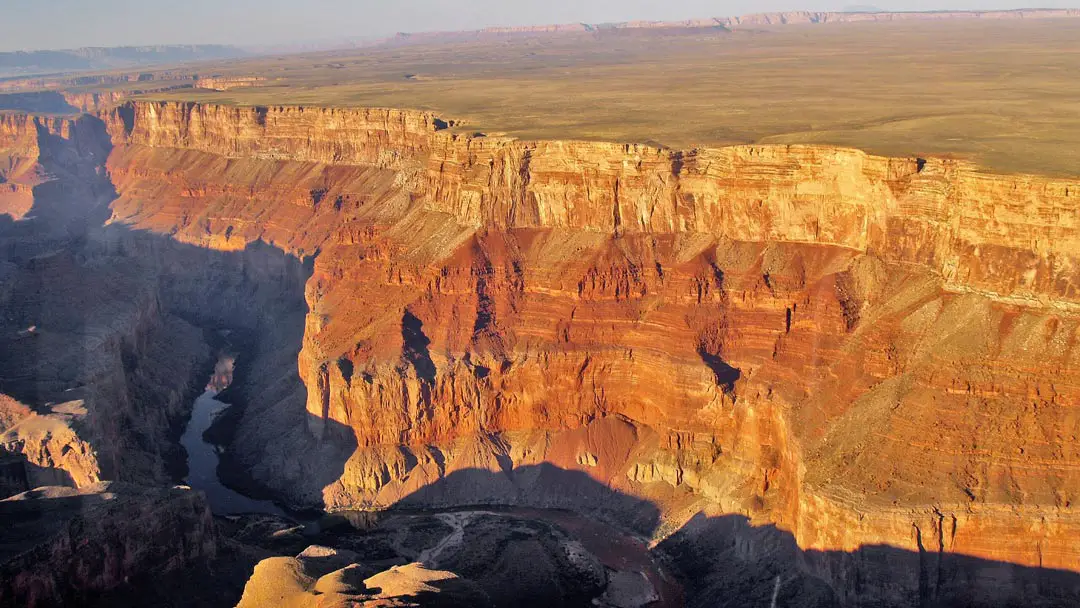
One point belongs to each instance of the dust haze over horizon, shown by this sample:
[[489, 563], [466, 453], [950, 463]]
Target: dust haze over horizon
[[65, 24]]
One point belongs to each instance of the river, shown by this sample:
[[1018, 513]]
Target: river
[[203, 456], [629, 558]]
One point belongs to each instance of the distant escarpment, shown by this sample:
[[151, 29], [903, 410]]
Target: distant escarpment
[[18, 63], [754, 20], [857, 350]]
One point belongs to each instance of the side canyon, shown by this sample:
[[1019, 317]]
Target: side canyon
[[795, 372]]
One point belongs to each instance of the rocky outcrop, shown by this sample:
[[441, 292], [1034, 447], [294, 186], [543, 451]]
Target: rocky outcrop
[[43, 450], [290, 582], [223, 83], [61, 547], [51, 168], [378, 137], [467, 557], [18, 142]]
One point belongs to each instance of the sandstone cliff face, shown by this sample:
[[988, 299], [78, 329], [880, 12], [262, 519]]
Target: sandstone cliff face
[[340, 136], [223, 83], [18, 140], [43, 450], [763, 330], [1007, 236]]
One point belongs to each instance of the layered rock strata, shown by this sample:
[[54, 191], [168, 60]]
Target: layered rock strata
[[43, 450], [99, 371], [858, 350]]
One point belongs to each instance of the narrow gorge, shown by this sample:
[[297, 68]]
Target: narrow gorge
[[795, 372]]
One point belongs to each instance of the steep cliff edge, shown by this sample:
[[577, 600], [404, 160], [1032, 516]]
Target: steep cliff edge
[[18, 140], [103, 372], [1008, 236], [857, 349]]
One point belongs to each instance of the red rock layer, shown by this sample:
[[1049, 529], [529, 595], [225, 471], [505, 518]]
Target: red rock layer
[[849, 346], [18, 164]]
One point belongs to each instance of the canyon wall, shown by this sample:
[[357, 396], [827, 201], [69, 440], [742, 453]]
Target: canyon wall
[[99, 373], [855, 349], [18, 141], [1010, 237]]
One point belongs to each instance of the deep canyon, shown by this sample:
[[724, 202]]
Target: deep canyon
[[793, 373]]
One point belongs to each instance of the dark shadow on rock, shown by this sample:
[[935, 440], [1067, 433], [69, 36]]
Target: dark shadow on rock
[[118, 314], [725, 375], [48, 102], [726, 561], [18, 475], [60, 547], [415, 347], [451, 593], [544, 486]]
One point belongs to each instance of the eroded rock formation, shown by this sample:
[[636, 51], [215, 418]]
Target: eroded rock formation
[[857, 350], [466, 558], [43, 450], [105, 370]]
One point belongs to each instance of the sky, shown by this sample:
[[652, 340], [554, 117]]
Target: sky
[[55, 24]]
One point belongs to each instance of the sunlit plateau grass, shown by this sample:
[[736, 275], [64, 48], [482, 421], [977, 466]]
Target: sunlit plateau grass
[[1004, 94]]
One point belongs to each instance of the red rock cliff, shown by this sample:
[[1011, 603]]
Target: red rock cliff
[[849, 346]]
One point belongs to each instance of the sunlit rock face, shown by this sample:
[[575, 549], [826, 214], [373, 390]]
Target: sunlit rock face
[[857, 349]]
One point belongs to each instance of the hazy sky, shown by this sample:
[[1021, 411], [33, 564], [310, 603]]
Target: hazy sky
[[50, 24]]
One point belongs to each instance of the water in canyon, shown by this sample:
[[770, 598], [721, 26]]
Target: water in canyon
[[203, 456]]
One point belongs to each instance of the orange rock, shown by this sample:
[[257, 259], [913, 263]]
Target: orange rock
[[851, 347]]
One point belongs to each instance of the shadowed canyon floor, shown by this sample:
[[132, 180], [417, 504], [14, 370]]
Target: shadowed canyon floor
[[563, 372]]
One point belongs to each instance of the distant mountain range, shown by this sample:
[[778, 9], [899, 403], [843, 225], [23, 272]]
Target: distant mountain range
[[850, 14], [27, 63], [33, 63]]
